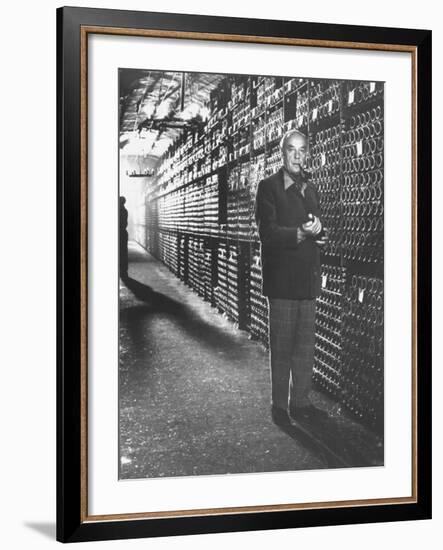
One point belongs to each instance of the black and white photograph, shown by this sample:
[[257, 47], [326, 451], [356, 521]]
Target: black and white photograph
[[251, 273]]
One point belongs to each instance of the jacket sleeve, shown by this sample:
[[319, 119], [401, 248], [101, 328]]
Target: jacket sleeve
[[317, 211], [270, 232]]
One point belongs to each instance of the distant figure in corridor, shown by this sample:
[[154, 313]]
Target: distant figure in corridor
[[291, 234], [123, 235]]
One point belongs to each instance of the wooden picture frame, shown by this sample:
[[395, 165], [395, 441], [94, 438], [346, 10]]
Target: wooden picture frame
[[74, 25]]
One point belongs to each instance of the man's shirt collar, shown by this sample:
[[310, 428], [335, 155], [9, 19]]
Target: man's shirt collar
[[289, 180]]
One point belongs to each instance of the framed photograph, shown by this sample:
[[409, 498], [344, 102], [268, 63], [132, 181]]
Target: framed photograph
[[244, 274]]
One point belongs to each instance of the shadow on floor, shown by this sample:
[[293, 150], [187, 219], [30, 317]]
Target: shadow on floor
[[344, 444], [346, 439], [158, 302], [306, 439], [188, 320], [46, 529]]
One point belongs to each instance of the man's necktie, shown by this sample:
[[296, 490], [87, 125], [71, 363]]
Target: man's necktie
[[298, 182]]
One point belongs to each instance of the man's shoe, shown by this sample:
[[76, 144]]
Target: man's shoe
[[308, 414], [280, 417]]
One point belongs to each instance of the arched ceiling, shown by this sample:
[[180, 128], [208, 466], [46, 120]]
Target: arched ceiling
[[155, 105]]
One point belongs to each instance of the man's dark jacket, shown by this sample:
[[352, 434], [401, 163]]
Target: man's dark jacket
[[291, 269]]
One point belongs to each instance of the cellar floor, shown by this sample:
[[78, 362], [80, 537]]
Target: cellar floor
[[194, 392]]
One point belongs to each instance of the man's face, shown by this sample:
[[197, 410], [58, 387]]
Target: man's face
[[294, 153]]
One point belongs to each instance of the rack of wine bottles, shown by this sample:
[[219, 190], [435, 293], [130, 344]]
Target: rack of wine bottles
[[200, 216]]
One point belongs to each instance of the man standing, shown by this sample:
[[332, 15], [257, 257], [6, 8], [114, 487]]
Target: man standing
[[123, 239], [291, 234]]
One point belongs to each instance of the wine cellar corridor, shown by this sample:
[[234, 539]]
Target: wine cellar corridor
[[194, 381]]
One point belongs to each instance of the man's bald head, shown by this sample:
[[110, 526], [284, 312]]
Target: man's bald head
[[290, 133]]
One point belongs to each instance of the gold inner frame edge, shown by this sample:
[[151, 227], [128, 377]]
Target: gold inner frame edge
[[85, 30]]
